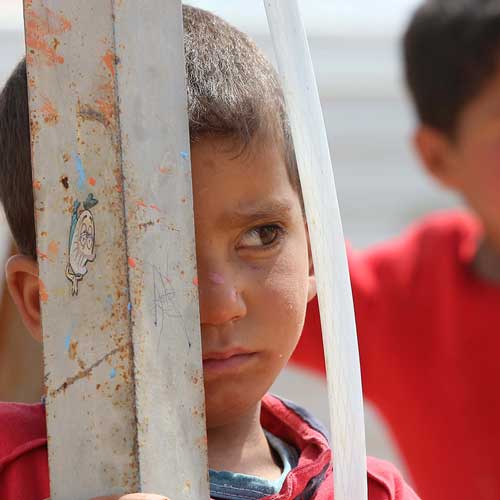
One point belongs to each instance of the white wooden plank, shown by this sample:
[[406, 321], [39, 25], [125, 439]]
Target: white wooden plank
[[125, 403], [327, 240]]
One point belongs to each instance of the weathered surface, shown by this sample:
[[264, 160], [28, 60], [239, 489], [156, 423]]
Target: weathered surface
[[115, 236]]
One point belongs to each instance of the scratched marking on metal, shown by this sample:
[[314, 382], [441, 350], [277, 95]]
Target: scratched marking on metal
[[125, 408]]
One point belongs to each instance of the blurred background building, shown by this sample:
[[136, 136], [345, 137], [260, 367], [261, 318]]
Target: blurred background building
[[381, 187]]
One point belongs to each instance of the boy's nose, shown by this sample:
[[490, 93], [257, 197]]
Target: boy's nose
[[220, 300]]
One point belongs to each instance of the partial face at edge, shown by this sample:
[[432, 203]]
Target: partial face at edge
[[470, 163], [253, 269]]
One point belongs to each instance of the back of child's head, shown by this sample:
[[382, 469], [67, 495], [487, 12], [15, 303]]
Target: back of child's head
[[233, 92], [451, 52]]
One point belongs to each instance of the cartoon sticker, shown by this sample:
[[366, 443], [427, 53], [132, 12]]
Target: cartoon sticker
[[81, 241]]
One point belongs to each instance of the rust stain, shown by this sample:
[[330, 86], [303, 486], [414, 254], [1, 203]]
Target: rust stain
[[40, 31], [86, 112], [66, 157], [49, 112], [64, 181], [72, 352], [37, 185], [109, 61], [53, 249], [44, 296], [107, 109], [34, 129], [87, 371], [145, 225]]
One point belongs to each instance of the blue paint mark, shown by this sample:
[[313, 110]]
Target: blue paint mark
[[82, 178], [129, 306], [67, 339], [112, 373], [185, 155], [109, 300]]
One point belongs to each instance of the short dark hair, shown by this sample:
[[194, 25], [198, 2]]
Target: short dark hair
[[451, 50], [233, 91]]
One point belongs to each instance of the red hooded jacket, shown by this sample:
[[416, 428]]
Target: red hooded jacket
[[24, 468]]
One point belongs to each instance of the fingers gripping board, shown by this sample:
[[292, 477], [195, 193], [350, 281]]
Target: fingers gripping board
[[328, 248], [115, 237]]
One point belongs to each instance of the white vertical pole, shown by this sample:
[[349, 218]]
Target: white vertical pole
[[115, 236], [327, 240]]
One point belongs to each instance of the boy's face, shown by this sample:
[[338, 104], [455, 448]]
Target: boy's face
[[478, 156], [254, 272], [470, 164]]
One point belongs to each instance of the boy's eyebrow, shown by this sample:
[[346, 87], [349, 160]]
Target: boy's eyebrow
[[249, 212]]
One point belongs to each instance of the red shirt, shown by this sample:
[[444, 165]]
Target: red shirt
[[24, 470], [429, 340]]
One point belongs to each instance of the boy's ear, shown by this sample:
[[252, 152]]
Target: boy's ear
[[311, 289], [437, 154], [22, 280]]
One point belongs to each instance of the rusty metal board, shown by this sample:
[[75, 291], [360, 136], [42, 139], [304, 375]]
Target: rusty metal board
[[328, 248], [115, 238]]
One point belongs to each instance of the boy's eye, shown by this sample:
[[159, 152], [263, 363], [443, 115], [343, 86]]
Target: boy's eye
[[261, 236]]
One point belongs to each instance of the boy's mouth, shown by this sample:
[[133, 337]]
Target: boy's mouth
[[216, 362]]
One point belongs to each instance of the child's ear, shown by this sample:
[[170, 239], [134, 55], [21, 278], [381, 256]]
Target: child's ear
[[22, 280], [311, 289], [437, 154]]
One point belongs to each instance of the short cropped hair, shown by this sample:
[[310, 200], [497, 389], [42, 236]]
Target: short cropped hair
[[233, 91], [451, 51]]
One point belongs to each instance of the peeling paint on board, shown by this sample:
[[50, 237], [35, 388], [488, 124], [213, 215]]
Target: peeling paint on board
[[41, 32]]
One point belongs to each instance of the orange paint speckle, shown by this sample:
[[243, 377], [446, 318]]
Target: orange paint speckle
[[49, 112], [53, 249], [44, 296], [132, 263], [109, 60], [41, 255], [195, 281], [92, 181], [154, 207], [39, 35], [140, 203], [37, 185]]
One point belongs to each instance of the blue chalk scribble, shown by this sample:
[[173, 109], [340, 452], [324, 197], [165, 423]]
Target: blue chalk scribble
[[82, 178], [112, 373], [185, 155], [67, 342]]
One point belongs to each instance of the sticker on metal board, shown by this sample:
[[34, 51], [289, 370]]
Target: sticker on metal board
[[81, 241]]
